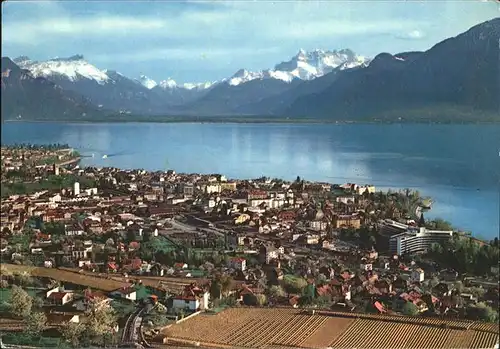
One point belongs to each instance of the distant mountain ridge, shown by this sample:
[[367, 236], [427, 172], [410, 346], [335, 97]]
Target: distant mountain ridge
[[25, 96], [112, 90], [458, 74], [463, 72]]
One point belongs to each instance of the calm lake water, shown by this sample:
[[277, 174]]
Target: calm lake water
[[458, 165]]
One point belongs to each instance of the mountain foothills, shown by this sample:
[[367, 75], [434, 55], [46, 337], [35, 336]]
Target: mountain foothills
[[457, 79]]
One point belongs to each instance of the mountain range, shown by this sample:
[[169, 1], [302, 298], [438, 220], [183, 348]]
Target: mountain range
[[460, 74]]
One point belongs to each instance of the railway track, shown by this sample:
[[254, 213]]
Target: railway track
[[129, 333]]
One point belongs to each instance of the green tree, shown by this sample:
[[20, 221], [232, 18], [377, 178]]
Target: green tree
[[323, 301], [261, 299], [71, 332], [409, 309], [294, 284], [227, 283], [37, 303], [23, 279], [100, 321], [439, 224], [276, 291], [35, 323], [215, 289], [20, 303], [483, 311]]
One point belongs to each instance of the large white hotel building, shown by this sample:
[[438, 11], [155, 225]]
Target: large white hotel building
[[408, 239]]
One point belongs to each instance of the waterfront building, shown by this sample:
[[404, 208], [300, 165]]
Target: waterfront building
[[417, 240]]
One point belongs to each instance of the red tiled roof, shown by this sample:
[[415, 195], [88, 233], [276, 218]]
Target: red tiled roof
[[345, 275], [125, 290], [57, 295], [112, 266], [379, 307], [294, 300], [323, 290]]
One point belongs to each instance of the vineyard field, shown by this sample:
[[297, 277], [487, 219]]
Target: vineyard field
[[284, 327]]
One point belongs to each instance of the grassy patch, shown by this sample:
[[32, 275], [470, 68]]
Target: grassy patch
[[50, 183]]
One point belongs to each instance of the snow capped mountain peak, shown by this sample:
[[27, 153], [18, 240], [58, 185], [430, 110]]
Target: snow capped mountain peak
[[169, 83], [147, 82], [72, 68], [198, 85], [243, 75], [310, 65], [304, 66]]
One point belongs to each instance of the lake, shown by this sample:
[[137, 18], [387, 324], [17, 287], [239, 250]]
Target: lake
[[457, 165]]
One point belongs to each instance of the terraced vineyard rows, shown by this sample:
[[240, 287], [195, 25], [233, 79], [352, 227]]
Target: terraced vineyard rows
[[328, 332], [429, 337], [274, 328], [401, 318], [458, 339], [484, 340], [308, 329], [371, 333], [485, 326]]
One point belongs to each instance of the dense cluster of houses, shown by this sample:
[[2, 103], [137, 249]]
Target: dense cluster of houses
[[265, 228]]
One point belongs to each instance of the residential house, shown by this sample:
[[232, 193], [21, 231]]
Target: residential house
[[442, 289], [268, 253], [287, 216], [366, 266], [74, 230], [346, 221], [417, 275], [180, 266], [59, 297], [157, 270], [345, 199], [384, 285], [238, 263], [192, 298], [318, 224], [81, 253], [125, 292]]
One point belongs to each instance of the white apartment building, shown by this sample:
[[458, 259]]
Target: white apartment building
[[417, 240]]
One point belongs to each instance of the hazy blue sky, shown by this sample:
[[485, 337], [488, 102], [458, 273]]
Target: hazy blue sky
[[193, 41]]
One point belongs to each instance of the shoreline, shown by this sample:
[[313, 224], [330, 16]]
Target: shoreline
[[262, 121]]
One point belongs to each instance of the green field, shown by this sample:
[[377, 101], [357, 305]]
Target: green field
[[6, 293], [51, 183]]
